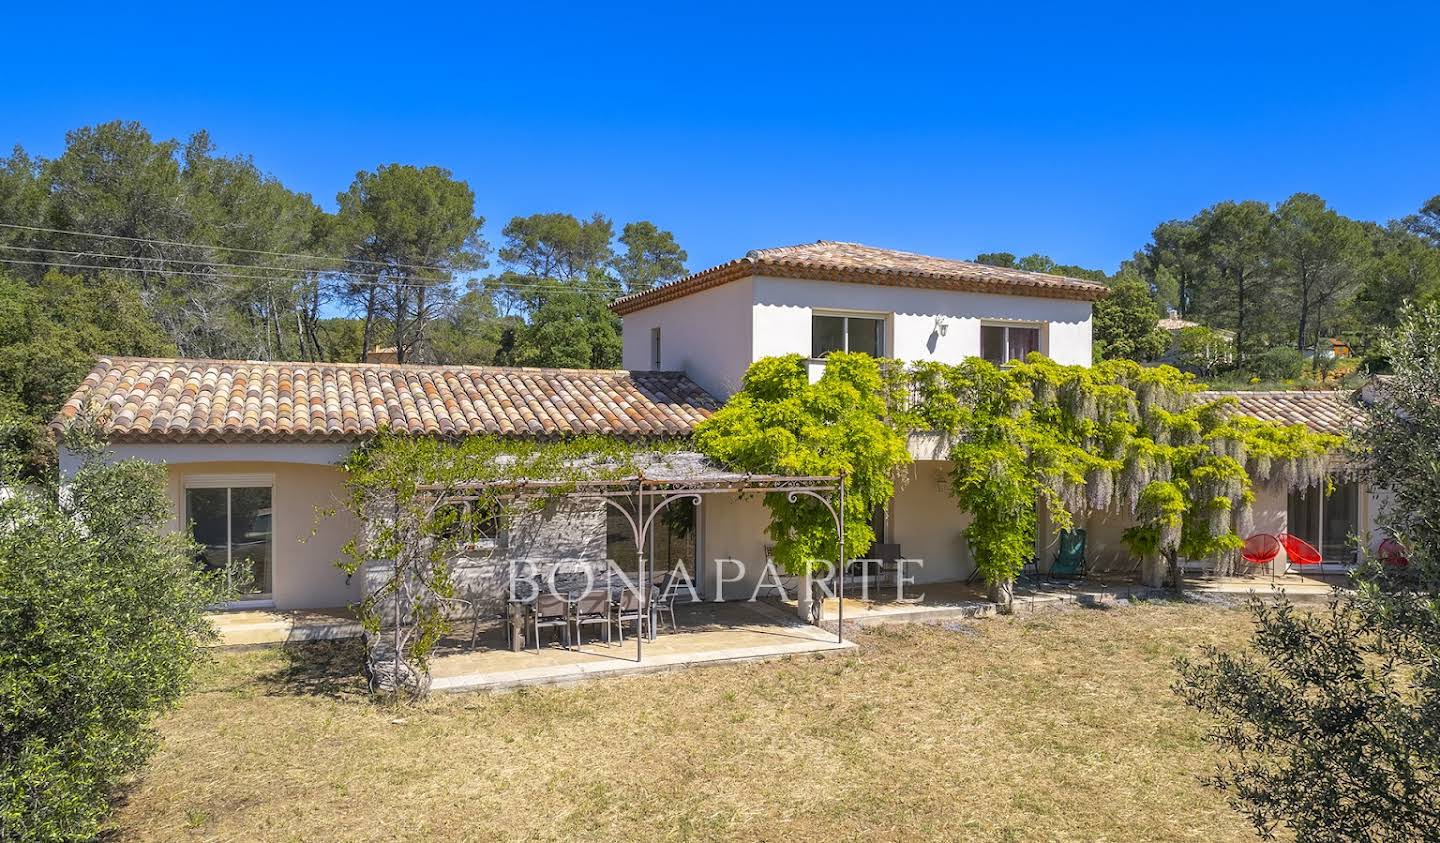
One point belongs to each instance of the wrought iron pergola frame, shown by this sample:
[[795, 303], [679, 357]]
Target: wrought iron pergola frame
[[640, 499]]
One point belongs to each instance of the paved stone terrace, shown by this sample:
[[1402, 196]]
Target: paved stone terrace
[[708, 633], [713, 633]]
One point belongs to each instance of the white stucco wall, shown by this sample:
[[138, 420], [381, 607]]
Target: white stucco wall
[[715, 334], [304, 572], [927, 524], [705, 334], [306, 482], [733, 528], [783, 307]]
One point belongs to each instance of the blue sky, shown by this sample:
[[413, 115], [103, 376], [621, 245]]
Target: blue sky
[[948, 130]]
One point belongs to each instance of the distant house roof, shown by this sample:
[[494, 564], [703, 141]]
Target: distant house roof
[[162, 400], [829, 260], [1319, 410], [1175, 323]]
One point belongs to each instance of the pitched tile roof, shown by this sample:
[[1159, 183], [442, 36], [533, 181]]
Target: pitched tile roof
[[231, 400], [1321, 411], [1175, 323], [829, 260]]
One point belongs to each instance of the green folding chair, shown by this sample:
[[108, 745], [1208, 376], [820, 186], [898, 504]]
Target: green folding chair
[[1070, 561]]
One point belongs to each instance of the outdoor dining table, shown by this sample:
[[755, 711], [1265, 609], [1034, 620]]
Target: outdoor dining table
[[570, 585]]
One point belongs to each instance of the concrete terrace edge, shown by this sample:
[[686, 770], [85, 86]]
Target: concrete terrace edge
[[573, 673]]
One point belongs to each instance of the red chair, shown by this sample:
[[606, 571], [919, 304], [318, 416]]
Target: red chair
[[1393, 553], [1298, 551], [1261, 549]]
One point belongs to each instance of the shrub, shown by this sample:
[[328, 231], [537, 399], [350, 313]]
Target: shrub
[[1126, 322], [1329, 720], [781, 423], [101, 622], [1280, 364], [1204, 351]]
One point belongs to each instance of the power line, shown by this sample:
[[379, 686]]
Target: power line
[[212, 276], [152, 241], [350, 275], [538, 286], [203, 276], [193, 262]]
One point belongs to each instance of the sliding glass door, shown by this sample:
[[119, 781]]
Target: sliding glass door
[[233, 524], [1329, 522], [1340, 523]]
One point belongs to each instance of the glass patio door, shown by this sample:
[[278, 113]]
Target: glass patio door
[[1328, 522], [233, 523]]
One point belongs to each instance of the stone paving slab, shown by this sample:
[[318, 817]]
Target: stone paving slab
[[584, 671], [709, 633], [267, 626]]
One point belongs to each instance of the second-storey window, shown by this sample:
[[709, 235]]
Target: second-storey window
[[846, 333], [1001, 344]]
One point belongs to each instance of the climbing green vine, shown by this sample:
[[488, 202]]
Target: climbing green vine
[[405, 606], [1116, 436], [780, 423], [1113, 437]]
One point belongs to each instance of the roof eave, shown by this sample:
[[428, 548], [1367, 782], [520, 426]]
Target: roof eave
[[746, 268]]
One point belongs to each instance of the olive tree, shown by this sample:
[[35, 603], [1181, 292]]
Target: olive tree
[[101, 622], [1331, 721]]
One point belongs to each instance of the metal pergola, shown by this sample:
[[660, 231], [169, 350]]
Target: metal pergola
[[642, 496]]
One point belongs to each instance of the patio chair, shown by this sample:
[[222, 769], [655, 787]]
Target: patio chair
[[1029, 572], [665, 605], [1298, 552], [1070, 561], [664, 592], [1261, 550], [548, 610], [591, 607], [1393, 554], [678, 581], [887, 559], [628, 608]]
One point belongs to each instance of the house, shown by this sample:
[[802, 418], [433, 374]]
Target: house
[[829, 296], [253, 448]]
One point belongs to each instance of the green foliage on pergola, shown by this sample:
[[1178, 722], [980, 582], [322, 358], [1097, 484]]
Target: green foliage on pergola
[[841, 425]]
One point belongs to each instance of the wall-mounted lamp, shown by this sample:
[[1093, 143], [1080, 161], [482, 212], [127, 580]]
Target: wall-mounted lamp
[[940, 325]]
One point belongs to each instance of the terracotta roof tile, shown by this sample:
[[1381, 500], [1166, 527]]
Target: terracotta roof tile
[[232, 400], [829, 260], [1321, 411]]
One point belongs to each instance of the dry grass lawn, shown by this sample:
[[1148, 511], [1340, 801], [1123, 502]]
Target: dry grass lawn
[[1059, 726]]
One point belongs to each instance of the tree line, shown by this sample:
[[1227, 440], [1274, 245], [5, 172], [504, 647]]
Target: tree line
[[128, 244], [1291, 275]]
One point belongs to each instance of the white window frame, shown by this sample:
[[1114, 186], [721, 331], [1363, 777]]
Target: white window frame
[[1042, 345], [847, 315], [227, 481]]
